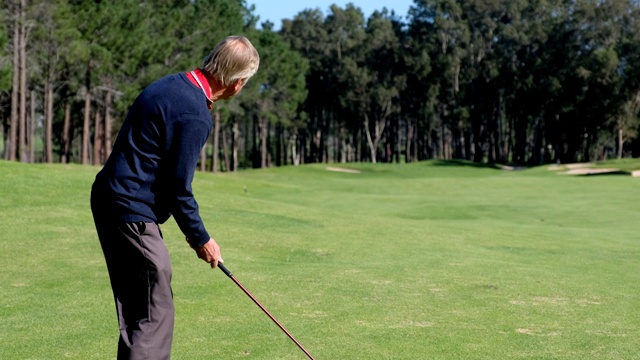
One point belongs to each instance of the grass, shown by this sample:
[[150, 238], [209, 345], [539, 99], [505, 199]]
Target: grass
[[422, 261]]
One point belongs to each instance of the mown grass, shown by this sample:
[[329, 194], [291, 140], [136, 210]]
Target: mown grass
[[431, 260]]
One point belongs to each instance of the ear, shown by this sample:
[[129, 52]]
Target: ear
[[239, 84]]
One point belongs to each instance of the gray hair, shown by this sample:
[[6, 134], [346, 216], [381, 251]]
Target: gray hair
[[234, 58]]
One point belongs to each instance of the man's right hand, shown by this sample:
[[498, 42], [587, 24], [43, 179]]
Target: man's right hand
[[210, 253]]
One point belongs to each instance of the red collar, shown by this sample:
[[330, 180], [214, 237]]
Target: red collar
[[204, 82]]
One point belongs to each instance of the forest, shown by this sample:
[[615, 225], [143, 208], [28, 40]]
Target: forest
[[491, 81]]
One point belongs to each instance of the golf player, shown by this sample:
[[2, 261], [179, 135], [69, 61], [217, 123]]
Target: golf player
[[147, 178]]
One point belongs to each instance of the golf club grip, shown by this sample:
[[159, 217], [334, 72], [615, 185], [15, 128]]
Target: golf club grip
[[224, 269]]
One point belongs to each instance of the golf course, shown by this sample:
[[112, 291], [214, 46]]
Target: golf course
[[428, 260]]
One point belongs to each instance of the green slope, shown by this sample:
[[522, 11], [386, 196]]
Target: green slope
[[422, 261]]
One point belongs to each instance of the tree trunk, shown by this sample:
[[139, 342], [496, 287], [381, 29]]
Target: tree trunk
[[86, 126], [374, 141], [302, 148], [317, 149], [285, 149], [440, 133], [370, 141], [225, 150], [279, 137], [520, 141], [255, 161], [587, 149], [48, 122], [234, 143], [500, 154], [97, 138], [66, 138], [203, 159], [478, 143], [31, 125], [4, 129], [263, 127], [107, 124], [538, 142], [22, 137], [410, 136], [342, 140], [462, 145], [395, 143], [507, 146], [620, 144], [468, 144], [215, 157], [12, 145], [295, 154]]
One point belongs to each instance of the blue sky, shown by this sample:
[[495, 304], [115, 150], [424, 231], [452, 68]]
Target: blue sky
[[276, 10]]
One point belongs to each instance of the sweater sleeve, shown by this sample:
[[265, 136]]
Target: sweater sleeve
[[189, 136]]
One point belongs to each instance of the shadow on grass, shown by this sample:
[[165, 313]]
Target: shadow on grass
[[603, 174], [470, 164], [465, 163]]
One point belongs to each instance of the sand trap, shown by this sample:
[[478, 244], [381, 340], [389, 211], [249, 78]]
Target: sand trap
[[635, 173], [592, 171], [343, 170], [571, 166], [582, 169], [512, 168]]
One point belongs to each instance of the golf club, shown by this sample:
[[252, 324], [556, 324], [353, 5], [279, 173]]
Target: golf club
[[228, 273]]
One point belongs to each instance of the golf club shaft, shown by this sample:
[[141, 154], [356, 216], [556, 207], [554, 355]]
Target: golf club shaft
[[228, 273]]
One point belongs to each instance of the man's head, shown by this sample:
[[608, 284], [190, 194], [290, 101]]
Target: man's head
[[233, 60]]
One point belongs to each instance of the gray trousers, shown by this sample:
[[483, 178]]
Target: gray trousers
[[140, 273]]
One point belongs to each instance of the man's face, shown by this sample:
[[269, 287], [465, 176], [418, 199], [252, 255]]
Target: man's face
[[233, 89]]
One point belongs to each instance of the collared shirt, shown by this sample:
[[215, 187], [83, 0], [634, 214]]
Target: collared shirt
[[149, 173], [204, 82]]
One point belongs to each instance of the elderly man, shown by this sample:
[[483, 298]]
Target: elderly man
[[147, 178]]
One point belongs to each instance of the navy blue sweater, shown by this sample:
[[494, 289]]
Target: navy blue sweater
[[149, 172]]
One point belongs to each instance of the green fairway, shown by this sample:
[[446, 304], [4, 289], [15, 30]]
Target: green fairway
[[436, 260]]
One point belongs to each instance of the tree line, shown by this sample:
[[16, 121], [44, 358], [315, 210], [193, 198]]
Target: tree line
[[497, 81]]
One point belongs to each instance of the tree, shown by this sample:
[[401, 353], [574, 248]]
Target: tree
[[5, 77], [517, 81], [308, 35], [439, 43], [53, 47], [626, 123], [12, 143], [274, 94], [230, 18], [383, 58]]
